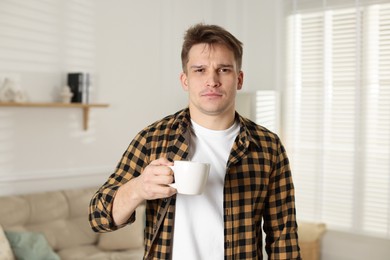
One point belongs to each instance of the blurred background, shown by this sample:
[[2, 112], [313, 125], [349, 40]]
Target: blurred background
[[316, 73]]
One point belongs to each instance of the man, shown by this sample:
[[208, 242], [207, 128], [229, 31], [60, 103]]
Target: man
[[249, 183]]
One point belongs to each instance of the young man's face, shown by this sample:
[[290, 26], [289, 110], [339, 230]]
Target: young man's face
[[212, 80]]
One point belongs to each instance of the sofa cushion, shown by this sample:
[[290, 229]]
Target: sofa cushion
[[17, 211], [30, 246], [46, 207], [79, 199], [80, 252], [5, 248], [62, 217], [128, 237], [65, 233], [94, 253]]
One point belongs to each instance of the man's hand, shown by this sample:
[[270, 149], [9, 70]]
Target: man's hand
[[151, 184]]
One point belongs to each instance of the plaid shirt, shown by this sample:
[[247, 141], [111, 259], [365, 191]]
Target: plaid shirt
[[258, 187]]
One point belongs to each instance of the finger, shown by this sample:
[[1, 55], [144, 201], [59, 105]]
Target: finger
[[157, 175], [160, 191], [161, 161], [163, 179], [160, 170]]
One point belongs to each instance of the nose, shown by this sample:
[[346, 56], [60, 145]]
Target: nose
[[213, 80]]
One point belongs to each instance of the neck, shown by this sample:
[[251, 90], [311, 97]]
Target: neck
[[213, 122]]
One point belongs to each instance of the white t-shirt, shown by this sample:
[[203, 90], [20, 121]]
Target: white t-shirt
[[199, 226]]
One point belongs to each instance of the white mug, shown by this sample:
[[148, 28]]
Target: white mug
[[190, 177]]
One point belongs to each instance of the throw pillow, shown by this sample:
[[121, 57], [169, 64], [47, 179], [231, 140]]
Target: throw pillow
[[5, 248], [30, 246]]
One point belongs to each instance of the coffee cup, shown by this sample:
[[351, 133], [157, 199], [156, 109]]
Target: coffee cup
[[190, 177]]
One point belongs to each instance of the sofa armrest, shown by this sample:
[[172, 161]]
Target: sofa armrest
[[310, 236]]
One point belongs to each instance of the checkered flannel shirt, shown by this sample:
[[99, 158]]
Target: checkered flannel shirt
[[258, 187]]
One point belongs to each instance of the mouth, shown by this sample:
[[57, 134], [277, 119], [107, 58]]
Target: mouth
[[212, 94]]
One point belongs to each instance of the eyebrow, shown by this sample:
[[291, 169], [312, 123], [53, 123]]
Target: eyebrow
[[219, 66], [225, 65], [196, 66]]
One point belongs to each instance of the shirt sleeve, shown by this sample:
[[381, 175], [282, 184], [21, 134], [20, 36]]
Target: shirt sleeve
[[131, 165], [280, 223]]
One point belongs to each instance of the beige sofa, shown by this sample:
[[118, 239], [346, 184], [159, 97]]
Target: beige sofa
[[310, 238], [62, 216]]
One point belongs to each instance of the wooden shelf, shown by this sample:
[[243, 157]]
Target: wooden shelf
[[84, 107]]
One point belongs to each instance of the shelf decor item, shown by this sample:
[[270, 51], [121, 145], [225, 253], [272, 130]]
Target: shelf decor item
[[79, 85], [10, 92], [7, 91], [66, 95]]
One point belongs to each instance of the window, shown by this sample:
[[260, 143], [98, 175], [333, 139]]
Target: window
[[337, 115], [47, 36], [267, 104], [261, 106]]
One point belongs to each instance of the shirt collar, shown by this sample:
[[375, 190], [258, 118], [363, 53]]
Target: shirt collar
[[245, 136]]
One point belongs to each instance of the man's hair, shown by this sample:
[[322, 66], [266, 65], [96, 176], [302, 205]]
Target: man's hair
[[210, 34]]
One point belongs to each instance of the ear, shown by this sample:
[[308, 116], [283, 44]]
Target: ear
[[184, 81], [240, 80]]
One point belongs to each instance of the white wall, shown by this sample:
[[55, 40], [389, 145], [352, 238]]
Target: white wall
[[132, 49]]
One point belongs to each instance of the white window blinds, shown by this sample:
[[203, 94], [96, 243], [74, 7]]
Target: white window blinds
[[267, 109], [337, 118]]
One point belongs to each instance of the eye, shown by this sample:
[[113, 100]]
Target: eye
[[198, 69], [224, 70]]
